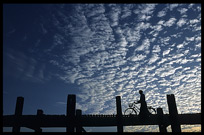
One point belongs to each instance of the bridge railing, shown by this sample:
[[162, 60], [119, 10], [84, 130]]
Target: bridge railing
[[74, 121]]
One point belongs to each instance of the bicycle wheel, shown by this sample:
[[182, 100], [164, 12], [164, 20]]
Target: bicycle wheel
[[152, 110], [130, 111]]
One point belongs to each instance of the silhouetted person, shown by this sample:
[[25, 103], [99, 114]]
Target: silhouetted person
[[143, 108]]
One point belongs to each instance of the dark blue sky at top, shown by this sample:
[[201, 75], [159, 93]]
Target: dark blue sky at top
[[99, 51]]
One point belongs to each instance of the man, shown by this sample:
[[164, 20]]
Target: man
[[143, 108]]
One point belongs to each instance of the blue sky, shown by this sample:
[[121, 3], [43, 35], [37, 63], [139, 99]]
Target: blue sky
[[100, 51]]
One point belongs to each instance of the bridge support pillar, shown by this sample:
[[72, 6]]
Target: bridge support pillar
[[39, 114], [175, 125], [18, 113], [71, 106], [119, 114], [162, 126], [78, 120]]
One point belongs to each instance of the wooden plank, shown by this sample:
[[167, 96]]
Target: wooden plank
[[189, 119], [94, 121]]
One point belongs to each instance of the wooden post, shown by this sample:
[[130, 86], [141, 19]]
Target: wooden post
[[78, 119], [175, 125], [71, 106], [119, 114], [18, 113], [39, 113], [162, 127]]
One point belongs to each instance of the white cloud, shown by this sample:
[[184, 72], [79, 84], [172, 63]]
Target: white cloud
[[166, 52], [143, 26], [157, 27], [161, 13], [180, 46], [182, 10], [114, 15], [153, 59], [144, 47], [126, 11], [148, 8], [181, 22], [193, 21], [133, 35], [98, 9], [145, 11], [138, 57], [156, 49], [190, 38], [170, 22], [172, 6], [161, 22]]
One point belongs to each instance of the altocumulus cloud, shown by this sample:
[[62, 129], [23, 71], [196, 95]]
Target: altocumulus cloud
[[117, 49]]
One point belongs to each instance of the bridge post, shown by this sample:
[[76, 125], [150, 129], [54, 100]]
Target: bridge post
[[119, 114], [71, 106], [78, 120], [162, 127], [39, 113], [175, 125], [18, 113]]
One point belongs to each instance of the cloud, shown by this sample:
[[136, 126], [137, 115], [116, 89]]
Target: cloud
[[166, 52], [143, 26], [156, 49], [172, 6], [193, 21], [170, 22], [108, 54], [144, 46], [126, 11], [138, 57], [181, 22], [144, 11], [114, 14], [153, 59], [182, 10], [25, 68], [161, 13], [44, 31], [98, 9], [180, 46], [190, 128]]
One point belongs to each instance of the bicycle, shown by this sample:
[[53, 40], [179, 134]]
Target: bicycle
[[134, 109]]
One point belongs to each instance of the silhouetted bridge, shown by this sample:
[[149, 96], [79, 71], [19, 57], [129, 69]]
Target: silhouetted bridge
[[74, 121]]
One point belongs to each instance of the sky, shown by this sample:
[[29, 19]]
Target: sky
[[98, 52]]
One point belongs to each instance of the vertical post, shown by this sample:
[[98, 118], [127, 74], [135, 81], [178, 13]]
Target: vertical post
[[162, 127], [175, 125], [71, 106], [119, 114], [18, 113], [39, 114], [78, 119]]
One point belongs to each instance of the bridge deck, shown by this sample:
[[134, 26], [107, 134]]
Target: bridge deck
[[93, 120]]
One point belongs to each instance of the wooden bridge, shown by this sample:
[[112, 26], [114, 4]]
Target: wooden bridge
[[74, 121]]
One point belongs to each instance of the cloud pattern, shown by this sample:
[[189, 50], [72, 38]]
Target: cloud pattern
[[118, 49]]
